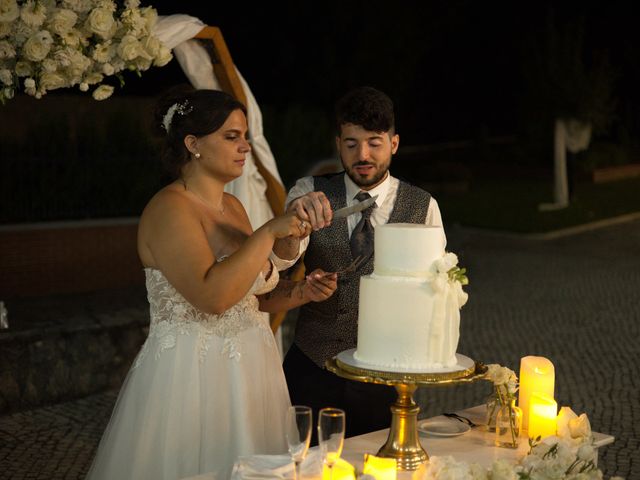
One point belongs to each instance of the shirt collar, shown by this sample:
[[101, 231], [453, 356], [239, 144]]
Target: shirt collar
[[381, 190]]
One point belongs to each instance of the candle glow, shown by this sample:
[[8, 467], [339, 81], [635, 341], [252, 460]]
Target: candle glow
[[543, 411], [380, 468], [537, 374]]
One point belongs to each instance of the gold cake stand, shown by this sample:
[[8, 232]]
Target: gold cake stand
[[403, 442]]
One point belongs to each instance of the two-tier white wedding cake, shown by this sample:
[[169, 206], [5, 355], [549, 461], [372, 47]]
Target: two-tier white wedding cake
[[409, 316]]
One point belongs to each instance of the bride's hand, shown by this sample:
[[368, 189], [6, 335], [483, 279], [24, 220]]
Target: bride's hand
[[319, 285], [288, 225]]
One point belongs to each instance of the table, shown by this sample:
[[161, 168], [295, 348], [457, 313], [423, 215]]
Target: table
[[475, 446]]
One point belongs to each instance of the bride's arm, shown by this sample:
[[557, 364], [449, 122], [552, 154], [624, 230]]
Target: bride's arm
[[288, 294], [179, 247]]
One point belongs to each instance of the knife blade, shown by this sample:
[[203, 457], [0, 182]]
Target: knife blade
[[358, 207]]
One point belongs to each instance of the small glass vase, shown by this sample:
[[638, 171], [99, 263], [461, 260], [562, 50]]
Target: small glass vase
[[508, 425], [492, 406]]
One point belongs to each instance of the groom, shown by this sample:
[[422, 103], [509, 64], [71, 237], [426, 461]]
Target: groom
[[366, 140]]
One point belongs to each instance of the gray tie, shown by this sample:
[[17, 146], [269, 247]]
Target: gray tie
[[362, 236]]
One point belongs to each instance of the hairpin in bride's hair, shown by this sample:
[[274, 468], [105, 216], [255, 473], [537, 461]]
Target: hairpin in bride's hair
[[181, 108]]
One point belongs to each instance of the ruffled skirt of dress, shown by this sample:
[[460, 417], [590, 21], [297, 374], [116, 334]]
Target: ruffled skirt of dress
[[185, 411]]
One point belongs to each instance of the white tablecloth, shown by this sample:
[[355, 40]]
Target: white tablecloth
[[474, 446]]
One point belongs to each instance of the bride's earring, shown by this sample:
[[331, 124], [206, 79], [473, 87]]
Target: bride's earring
[[197, 155]]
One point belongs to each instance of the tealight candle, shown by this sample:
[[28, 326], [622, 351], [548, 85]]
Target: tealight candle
[[341, 470], [536, 375], [543, 411], [380, 468]]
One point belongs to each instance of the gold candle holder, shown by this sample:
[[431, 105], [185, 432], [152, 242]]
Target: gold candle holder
[[403, 442]]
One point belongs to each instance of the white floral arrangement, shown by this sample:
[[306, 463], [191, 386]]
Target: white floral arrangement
[[449, 276], [569, 456], [504, 380], [50, 44]]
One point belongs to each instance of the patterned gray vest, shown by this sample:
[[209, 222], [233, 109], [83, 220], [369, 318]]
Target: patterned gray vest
[[324, 329]]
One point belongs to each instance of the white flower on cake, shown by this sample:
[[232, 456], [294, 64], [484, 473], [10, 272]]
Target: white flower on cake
[[66, 43], [449, 276]]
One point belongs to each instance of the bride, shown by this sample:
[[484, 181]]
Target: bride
[[207, 385]]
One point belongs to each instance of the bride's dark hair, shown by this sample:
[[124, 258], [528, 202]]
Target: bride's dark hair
[[183, 111]]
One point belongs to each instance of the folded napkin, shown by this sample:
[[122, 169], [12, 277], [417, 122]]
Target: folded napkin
[[260, 467]]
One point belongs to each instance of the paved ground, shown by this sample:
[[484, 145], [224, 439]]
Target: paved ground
[[574, 300]]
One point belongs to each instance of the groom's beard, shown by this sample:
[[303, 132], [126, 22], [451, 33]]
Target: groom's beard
[[381, 172]]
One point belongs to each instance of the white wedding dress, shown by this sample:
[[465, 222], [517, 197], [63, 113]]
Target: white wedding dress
[[203, 390]]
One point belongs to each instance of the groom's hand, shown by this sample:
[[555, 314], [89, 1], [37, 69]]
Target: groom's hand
[[319, 285], [314, 207]]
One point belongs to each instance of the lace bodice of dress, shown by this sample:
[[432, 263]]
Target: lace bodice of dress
[[172, 315]]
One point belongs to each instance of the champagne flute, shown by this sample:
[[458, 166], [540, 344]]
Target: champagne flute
[[298, 434], [331, 436]]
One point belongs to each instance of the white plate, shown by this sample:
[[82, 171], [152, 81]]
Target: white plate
[[443, 427]]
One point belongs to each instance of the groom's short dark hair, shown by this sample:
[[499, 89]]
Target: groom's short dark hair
[[367, 107]]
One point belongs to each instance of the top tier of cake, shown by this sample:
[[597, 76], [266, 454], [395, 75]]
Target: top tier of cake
[[407, 249]]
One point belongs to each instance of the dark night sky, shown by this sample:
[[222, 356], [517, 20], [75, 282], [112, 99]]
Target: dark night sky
[[452, 67]]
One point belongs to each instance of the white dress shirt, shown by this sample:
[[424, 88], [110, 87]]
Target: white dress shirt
[[387, 192]]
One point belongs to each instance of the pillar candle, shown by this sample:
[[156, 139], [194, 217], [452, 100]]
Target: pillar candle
[[380, 468], [543, 411], [536, 375]]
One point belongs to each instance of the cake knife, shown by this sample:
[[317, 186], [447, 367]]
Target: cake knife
[[358, 207]]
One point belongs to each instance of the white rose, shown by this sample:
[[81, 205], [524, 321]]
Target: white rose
[[503, 470], [446, 468], [500, 375], [37, 47], [134, 21], [62, 21], [93, 78], [562, 422], [580, 427], [129, 48], [21, 32], [6, 77], [447, 262], [150, 14], [33, 13], [152, 45], [49, 65], [23, 68], [5, 29], [8, 93], [164, 56], [9, 10], [51, 81], [79, 6], [30, 90], [478, 472], [84, 87], [108, 69], [29, 83], [101, 22], [102, 92], [106, 5], [79, 64], [72, 38], [142, 64], [103, 52], [586, 453], [6, 50], [132, 3]]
